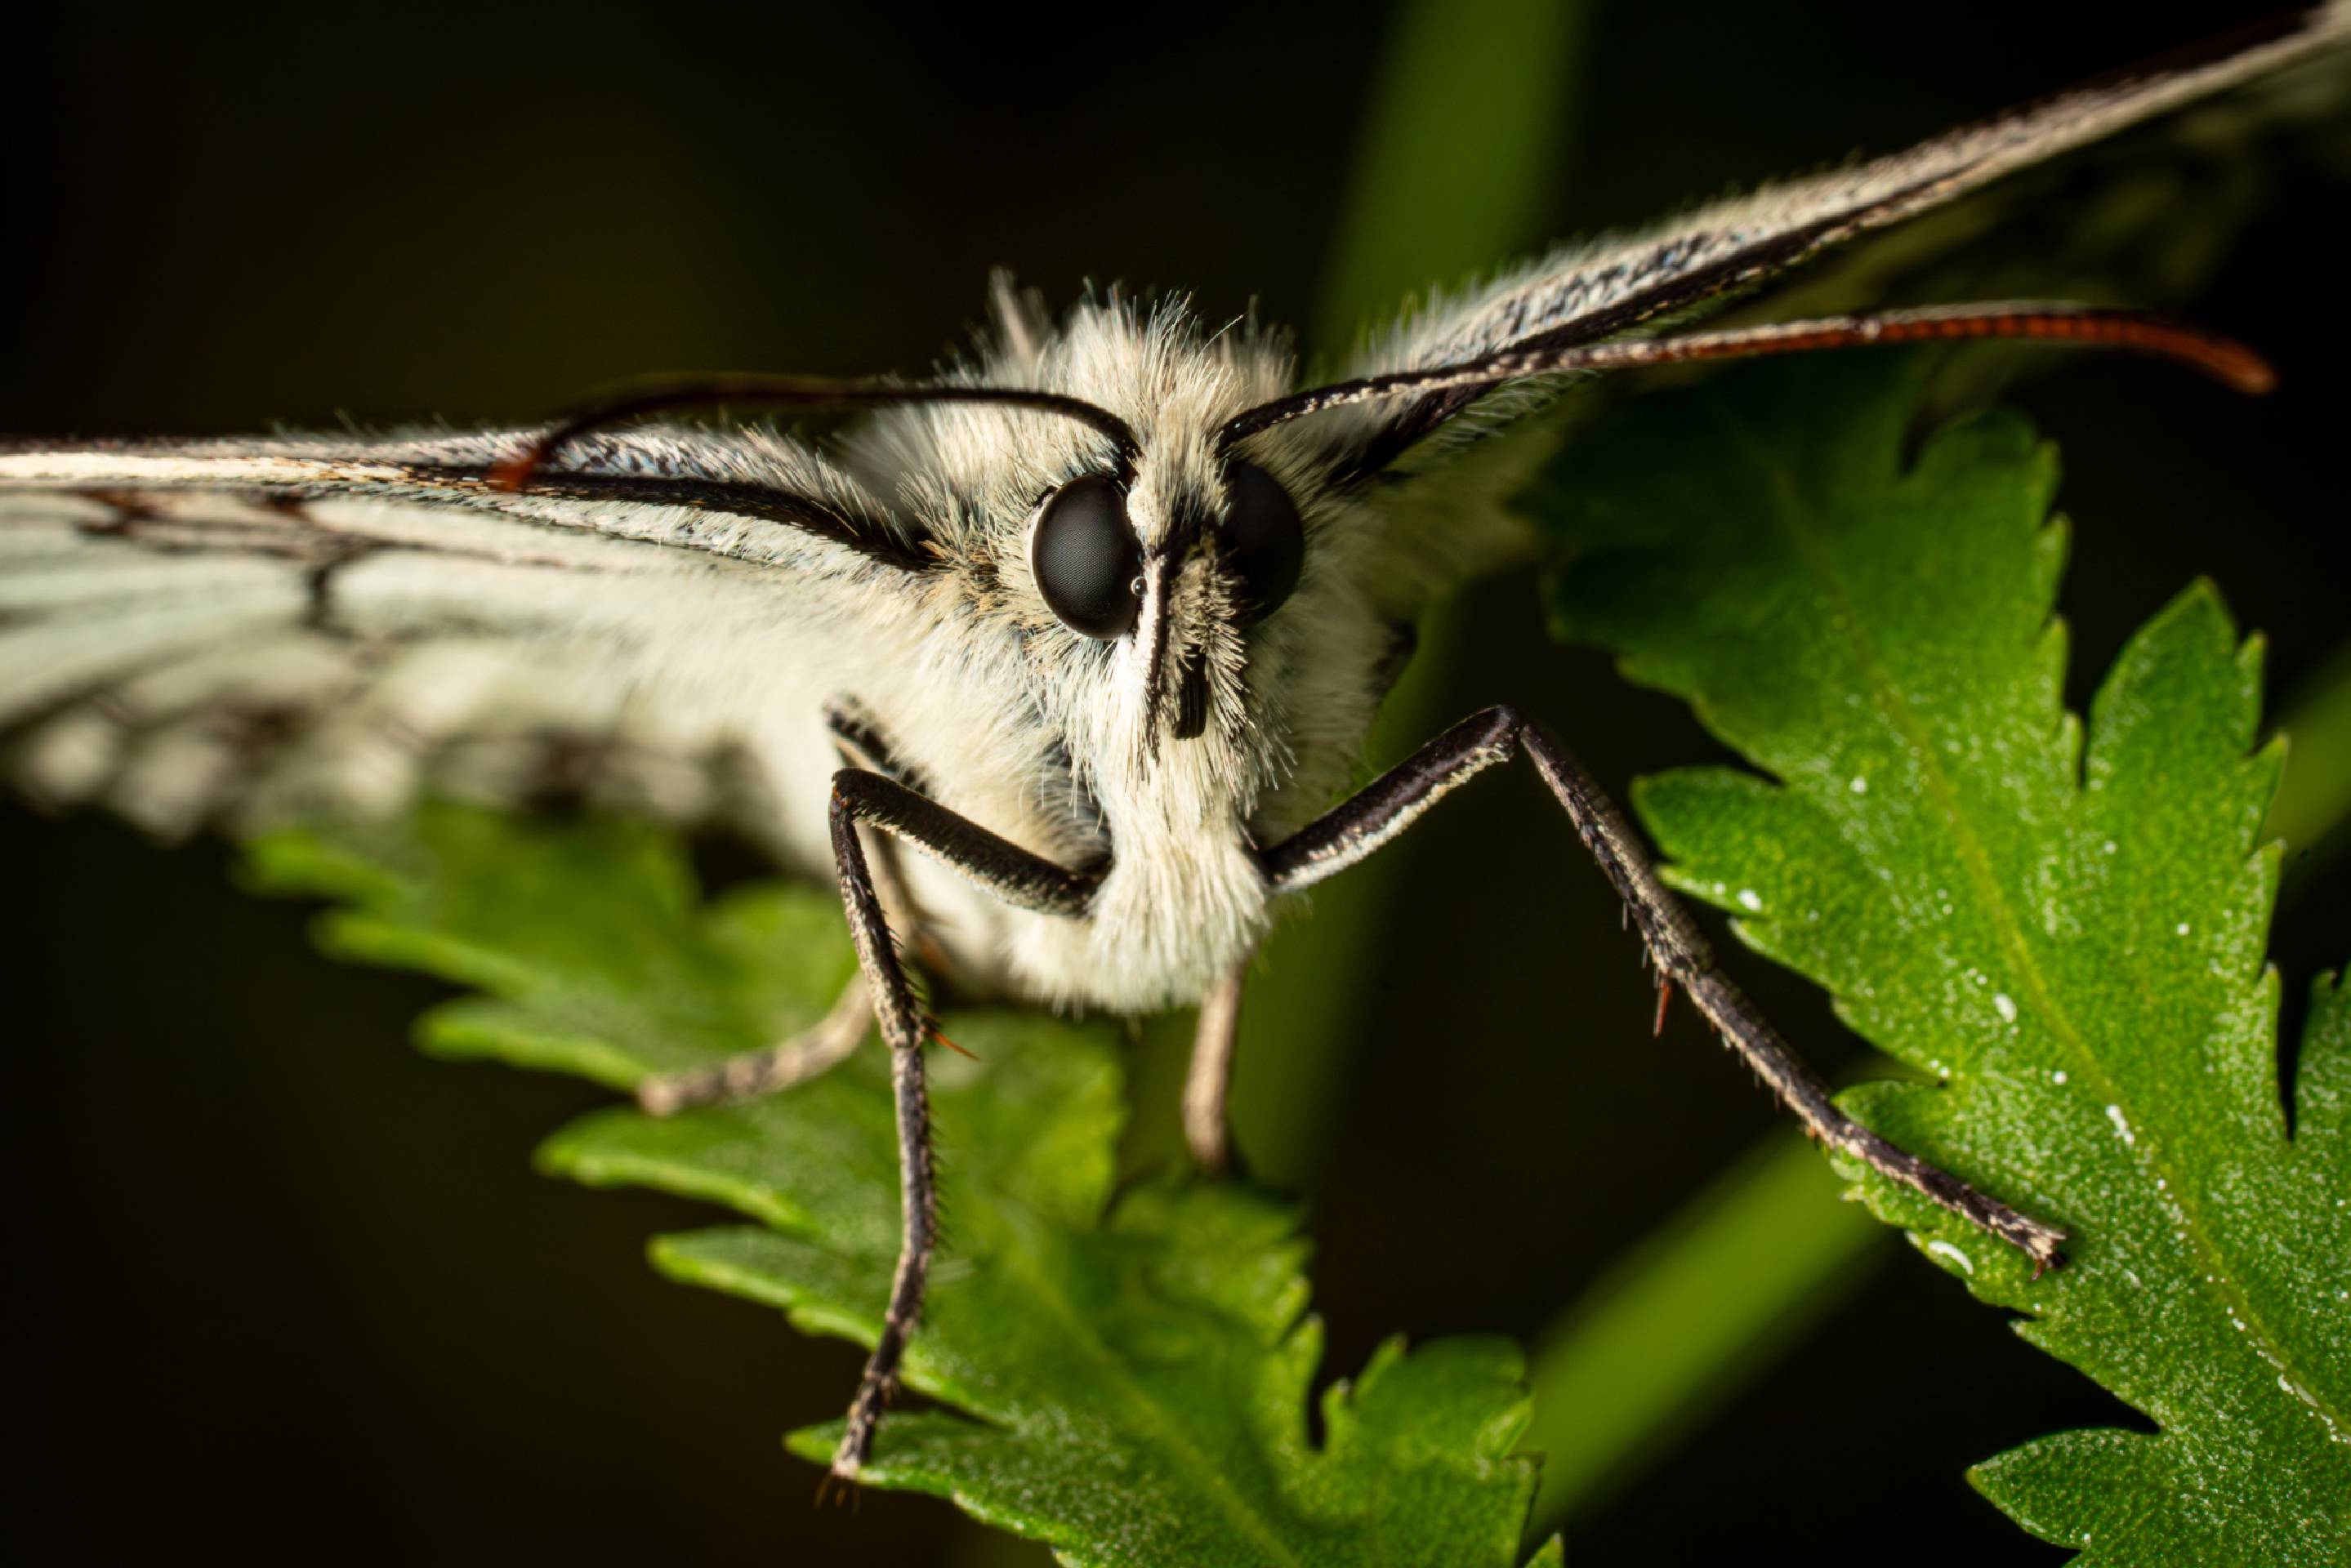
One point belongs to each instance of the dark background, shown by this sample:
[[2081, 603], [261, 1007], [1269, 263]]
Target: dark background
[[273, 1284]]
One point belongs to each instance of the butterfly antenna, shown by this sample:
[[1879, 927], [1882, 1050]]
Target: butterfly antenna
[[2222, 358], [512, 473]]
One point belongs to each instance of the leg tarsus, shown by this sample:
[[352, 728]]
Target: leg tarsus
[[1029, 881], [905, 1028], [1683, 957], [918, 1206]]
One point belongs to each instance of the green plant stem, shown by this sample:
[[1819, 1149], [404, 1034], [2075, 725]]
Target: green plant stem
[[2313, 800], [1462, 159], [1465, 144], [1683, 1321]]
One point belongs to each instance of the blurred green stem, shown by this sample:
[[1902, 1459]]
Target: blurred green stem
[[1685, 1319], [1465, 144], [2314, 799], [1463, 151]]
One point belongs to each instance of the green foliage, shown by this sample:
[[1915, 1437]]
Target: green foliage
[[2067, 936], [1127, 1376]]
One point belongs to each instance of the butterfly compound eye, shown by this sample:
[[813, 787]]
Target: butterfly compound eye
[[1264, 543], [1087, 559]]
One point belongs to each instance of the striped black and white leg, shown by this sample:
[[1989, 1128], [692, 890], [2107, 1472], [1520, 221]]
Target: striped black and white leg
[[1012, 874], [1360, 825]]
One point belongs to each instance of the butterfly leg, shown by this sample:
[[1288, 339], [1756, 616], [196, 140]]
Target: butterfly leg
[[814, 1051], [1018, 878], [753, 1073], [1357, 826], [1211, 1072]]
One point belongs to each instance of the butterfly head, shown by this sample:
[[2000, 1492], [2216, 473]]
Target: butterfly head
[[1226, 549], [1196, 602], [1186, 615]]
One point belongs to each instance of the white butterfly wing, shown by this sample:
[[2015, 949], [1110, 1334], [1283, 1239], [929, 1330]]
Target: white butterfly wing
[[1584, 292], [193, 631]]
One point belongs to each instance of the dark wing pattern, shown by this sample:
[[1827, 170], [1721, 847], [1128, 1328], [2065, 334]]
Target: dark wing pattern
[[190, 630]]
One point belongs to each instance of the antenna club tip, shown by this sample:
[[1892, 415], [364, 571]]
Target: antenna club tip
[[2228, 362], [2241, 370], [2256, 378]]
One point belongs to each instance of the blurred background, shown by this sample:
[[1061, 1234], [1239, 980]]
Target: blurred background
[[275, 1285]]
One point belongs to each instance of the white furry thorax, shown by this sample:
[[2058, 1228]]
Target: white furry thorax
[[1047, 740]]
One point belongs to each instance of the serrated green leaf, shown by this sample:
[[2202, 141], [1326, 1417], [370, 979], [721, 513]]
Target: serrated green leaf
[[2070, 939], [1128, 1378]]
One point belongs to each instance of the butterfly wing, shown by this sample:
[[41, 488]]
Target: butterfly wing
[[1583, 293], [190, 630]]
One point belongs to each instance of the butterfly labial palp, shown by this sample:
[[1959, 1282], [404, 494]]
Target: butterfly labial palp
[[1059, 662]]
